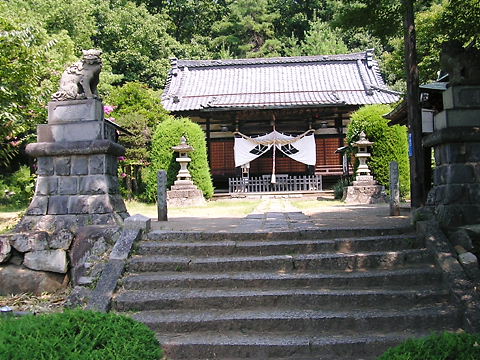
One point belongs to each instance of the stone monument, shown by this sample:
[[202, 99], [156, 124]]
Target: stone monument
[[184, 192], [77, 191], [76, 153], [454, 199], [365, 189]]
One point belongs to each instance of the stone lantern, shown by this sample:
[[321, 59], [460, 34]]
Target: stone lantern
[[184, 192], [365, 189], [363, 172], [183, 176]]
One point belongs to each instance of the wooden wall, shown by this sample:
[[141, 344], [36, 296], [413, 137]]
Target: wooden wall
[[222, 158]]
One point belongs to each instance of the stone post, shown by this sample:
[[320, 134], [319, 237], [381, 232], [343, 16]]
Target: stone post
[[394, 189], [162, 196]]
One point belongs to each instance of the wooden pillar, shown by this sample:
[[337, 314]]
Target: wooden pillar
[[207, 130], [416, 152]]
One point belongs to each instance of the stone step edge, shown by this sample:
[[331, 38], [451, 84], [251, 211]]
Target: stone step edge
[[269, 313], [228, 258], [182, 293], [414, 269], [267, 345], [280, 339], [227, 246], [323, 233], [244, 243]]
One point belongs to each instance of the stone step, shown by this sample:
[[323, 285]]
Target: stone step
[[239, 345], [180, 298], [294, 320], [410, 275], [299, 262], [272, 247], [161, 235]]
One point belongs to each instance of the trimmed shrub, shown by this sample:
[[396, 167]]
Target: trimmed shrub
[[168, 134], [446, 346], [76, 335], [390, 144]]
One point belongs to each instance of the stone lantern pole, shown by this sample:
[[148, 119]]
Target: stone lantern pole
[[365, 189], [184, 192]]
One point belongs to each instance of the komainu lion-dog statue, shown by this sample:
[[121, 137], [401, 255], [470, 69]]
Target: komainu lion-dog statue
[[80, 80]]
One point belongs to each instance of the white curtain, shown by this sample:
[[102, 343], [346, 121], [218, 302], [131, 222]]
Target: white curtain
[[300, 148]]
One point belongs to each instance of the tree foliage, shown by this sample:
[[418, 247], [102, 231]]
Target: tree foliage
[[247, 30], [138, 109], [39, 38], [390, 144], [30, 64], [321, 39], [136, 43], [460, 20]]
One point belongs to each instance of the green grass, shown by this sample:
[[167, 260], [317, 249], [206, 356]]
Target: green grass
[[217, 208]]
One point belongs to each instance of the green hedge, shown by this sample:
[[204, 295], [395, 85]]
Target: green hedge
[[390, 144], [168, 134], [446, 346], [76, 335]]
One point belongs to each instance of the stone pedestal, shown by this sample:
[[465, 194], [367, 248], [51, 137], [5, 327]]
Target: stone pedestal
[[455, 197], [365, 192], [77, 180], [185, 193]]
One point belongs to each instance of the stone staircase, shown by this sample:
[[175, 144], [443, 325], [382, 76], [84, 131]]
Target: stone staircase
[[345, 294]]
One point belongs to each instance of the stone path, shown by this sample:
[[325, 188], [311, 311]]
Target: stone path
[[275, 215], [280, 215]]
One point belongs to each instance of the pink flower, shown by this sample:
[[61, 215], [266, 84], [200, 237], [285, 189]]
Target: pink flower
[[123, 175], [108, 109], [122, 158], [15, 143]]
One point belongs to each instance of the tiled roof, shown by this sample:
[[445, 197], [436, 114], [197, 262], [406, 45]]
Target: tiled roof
[[301, 81]]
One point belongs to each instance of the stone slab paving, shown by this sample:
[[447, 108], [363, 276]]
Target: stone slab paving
[[278, 214], [275, 215]]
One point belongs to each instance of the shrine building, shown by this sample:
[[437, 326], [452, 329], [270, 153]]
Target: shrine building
[[292, 111]]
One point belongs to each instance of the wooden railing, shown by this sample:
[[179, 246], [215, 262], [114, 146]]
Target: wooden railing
[[330, 170], [283, 183]]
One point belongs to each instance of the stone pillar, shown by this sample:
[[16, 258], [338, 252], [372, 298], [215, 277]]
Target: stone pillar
[[455, 196], [394, 189], [162, 196], [77, 180]]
